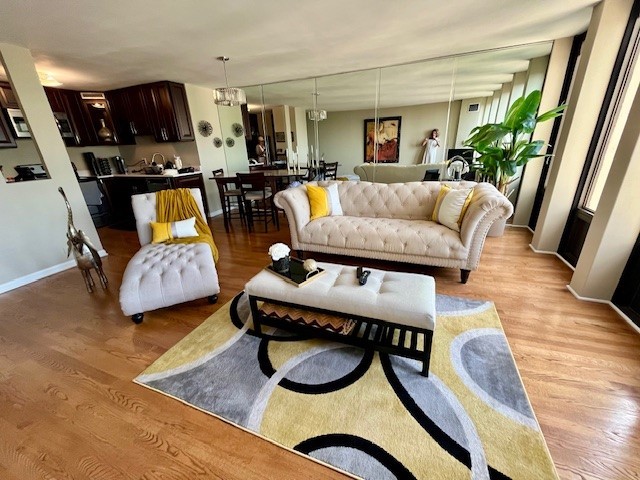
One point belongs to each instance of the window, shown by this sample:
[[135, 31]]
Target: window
[[611, 131]]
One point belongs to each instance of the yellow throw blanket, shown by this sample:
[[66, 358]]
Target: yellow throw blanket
[[179, 204]]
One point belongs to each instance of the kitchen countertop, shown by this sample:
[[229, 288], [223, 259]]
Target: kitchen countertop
[[144, 175]]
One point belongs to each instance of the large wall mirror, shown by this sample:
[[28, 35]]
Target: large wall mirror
[[351, 118], [20, 157]]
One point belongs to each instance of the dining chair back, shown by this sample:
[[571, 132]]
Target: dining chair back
[[331, 171], [257, 197], [230, 199]]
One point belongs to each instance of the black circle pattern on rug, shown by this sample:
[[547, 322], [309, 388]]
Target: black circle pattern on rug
[[445, 441], [315, 388], [358, 443]]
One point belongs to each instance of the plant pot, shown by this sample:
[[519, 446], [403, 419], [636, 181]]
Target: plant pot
[[281, 265]]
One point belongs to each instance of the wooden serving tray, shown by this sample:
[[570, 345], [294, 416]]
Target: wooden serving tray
[[297, 275]]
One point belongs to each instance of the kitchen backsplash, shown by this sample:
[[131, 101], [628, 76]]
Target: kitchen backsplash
[[146, 147]]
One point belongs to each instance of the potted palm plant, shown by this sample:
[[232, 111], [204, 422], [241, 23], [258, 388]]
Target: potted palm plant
[[503, 147]]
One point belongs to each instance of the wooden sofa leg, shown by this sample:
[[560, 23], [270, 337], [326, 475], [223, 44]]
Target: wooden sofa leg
[[464, 275], [299, 253]]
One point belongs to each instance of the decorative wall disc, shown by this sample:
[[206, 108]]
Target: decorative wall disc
[[204, 128], [238, 130], [230, 142], [217, 142]]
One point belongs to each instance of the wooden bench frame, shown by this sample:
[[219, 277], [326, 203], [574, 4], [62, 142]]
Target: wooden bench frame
[[363, 335]]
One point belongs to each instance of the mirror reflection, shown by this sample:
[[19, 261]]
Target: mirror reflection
[[280, 112], [20, 158], [407, 114]]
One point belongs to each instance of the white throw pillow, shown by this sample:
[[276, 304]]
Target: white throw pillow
[[334, 200], [162, 232], [451, 206]]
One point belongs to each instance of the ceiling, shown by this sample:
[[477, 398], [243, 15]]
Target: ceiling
[[115, 43], [463, 76]]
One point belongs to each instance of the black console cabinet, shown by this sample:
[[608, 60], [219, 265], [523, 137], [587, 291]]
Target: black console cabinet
[[119, 189]]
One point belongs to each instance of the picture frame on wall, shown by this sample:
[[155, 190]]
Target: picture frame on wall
[[280, 137], [386, 135]]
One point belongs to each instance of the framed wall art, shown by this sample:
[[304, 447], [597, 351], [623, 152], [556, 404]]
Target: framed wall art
[[386, 135]]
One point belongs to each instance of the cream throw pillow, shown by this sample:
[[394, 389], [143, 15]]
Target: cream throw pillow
[[168, 231], [451, 206]]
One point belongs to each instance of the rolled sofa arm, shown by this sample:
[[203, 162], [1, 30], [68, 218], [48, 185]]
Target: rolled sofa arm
[[487, 206], [295, 203]]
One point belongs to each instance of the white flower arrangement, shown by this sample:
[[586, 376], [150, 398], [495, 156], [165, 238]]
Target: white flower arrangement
[[278, 251]]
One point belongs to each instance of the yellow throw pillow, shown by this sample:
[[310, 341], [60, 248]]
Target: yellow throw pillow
[[318, 201], [170, 230], [451, 205]]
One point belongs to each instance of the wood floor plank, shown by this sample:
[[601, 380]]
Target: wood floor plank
[[69, 408]]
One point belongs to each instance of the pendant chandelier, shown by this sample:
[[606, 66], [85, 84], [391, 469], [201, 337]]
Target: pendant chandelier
[[315, 114], [228, 96]]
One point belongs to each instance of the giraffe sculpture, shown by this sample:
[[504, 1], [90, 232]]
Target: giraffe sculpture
[[84, 252]]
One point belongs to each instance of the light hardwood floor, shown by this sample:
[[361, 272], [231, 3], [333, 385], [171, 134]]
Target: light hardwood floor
[[69, 408]]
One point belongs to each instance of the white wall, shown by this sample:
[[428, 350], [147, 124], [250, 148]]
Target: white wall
[[469, 120], [26, 152], [34, 216], [237, 159], [302, 139], [202, 107], [342, 133]]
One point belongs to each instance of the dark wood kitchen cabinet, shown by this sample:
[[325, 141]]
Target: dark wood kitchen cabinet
[[6, 136], [97, 115], [168, 111], [7, 98], [130, 115], [67, 102]]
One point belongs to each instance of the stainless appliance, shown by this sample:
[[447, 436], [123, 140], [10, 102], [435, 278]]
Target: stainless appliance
[[19, 123], [64, 124]]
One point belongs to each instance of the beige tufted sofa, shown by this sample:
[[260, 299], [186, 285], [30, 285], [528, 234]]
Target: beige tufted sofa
[[393, 222]]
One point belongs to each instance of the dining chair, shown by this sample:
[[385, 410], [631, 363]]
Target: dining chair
[[257, 197], [230, 199], [218, 173], [331, 171]]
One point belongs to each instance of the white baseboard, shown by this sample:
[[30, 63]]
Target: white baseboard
[[40, 274], [606, 302], [215, 213], [520, 226], [548, 252]]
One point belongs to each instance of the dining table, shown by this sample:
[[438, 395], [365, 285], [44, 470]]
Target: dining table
[[279, 179]]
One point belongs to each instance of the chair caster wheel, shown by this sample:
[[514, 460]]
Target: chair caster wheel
[[212, 299], [137, 318]]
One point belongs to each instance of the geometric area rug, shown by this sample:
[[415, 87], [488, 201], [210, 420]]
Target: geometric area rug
[[364, 413]]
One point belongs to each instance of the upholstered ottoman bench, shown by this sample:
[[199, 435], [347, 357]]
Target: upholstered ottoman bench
[[161, 274], [393, 313]]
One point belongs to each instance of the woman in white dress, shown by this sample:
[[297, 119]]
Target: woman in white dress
[[432, 143]]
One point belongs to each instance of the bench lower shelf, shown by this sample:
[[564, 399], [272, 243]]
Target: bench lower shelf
[[367, 333]]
